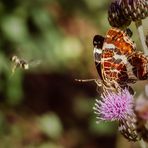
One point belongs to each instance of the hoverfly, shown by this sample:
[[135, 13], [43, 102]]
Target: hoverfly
[[21, 63]]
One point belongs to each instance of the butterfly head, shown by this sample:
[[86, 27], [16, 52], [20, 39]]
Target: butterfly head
[[98, 41]]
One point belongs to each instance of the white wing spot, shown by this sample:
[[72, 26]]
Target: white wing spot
[[122, 57], [110, 46], [97, 50]]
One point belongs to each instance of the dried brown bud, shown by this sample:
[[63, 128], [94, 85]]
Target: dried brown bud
[[134, 9], [116, 17], [128, 128], [122, 12]]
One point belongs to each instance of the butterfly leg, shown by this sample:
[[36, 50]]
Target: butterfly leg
[[99, 84]]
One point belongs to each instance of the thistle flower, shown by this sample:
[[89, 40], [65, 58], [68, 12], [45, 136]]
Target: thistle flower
[[114, 106], [118, 106], [141, 110], [141, 107]]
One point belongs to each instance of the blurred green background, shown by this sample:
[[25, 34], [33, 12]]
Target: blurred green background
[[44, 107]]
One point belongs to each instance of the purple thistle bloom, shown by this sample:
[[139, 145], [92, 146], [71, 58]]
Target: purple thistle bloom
[[114, 105]]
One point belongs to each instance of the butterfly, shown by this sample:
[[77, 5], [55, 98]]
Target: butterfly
[[117, 61], [119, 64]]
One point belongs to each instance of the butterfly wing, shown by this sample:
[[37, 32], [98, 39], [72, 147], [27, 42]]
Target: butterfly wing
[[139, 63], [116, 49], [98, 43]]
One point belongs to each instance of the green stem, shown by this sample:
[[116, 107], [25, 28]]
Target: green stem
[[141, 35]]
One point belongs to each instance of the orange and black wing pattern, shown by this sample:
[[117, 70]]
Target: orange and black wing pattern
[[116, 49]]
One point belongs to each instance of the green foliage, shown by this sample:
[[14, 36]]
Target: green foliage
[[14, 28], [50, 125], [14, 89], [103, 128], [33, 31], [58, 33]]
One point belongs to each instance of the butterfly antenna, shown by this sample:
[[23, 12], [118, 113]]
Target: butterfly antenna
[[85, 80]]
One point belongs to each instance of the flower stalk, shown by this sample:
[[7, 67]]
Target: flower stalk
[[142, 144], [141, 36]]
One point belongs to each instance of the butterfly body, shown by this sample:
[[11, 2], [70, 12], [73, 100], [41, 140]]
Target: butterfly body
[[19, 63]]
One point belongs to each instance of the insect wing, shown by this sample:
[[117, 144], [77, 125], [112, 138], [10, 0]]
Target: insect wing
[[115, 51], [98, 43]]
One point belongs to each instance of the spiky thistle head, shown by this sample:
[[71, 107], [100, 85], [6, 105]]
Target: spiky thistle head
[[122, 12], [114, 105], [118, 106]]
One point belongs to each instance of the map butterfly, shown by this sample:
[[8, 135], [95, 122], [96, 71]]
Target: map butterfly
[[117, 61]]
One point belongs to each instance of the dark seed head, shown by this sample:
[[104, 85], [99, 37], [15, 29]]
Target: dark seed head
[[122, 12], [116, 17], [128, 128], [135, 9]]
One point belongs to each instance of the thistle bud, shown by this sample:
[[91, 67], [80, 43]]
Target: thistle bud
[[134, 9], [128, 128], [116, 17]]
